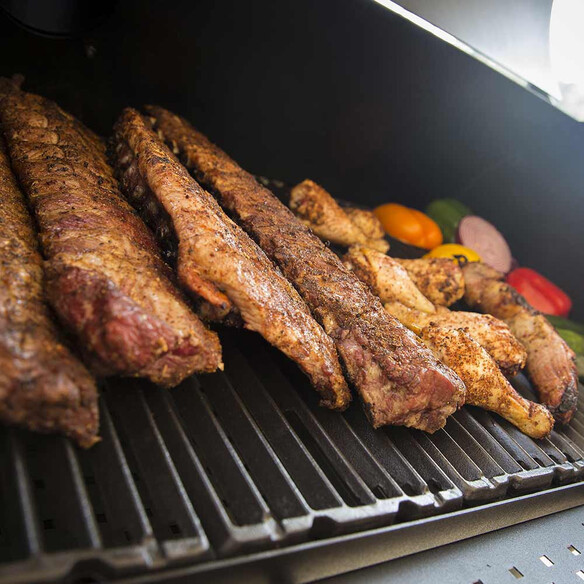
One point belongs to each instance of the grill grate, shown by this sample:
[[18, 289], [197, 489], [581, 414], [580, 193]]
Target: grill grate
[[244, 461]]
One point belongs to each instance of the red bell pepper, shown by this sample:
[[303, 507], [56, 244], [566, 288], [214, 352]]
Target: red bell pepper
[[542, 294]]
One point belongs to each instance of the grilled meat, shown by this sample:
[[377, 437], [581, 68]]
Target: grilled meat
[[550, 362], [43, 387], [386, 277], [212, 247], [327, 219], [105, 277], [491, 333], [399, 380], [367, 222], [486, 386], [392, 283], [439, 279]]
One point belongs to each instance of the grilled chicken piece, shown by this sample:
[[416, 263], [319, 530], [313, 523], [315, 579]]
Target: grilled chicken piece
[[439, 279], [399, 380], [550, 362], [214, 248], [367, 222], [392, 283], [386, 277], [43, 387], [486, 386], [326, 217], [105, 277], [492, 334]]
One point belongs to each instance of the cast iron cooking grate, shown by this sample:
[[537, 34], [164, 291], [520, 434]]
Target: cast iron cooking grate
[[243, 461]]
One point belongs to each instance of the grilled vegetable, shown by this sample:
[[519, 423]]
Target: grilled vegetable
[[542, 294], [576, 343], [480, 235], [447, 213], [409, 225], [454, 251], [564, 323]]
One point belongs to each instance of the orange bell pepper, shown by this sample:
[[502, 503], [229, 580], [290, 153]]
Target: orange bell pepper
[[409, 225]]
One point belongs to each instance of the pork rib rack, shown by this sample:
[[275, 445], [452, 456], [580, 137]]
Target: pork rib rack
[[105, 277], [398, 379]]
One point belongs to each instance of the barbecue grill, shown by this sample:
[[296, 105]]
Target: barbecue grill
[[239, 475]]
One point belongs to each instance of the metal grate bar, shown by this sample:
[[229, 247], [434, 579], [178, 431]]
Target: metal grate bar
[[227, 473], [311, 481], [19, 530], [268, 474], [114, 497], [169, 509]]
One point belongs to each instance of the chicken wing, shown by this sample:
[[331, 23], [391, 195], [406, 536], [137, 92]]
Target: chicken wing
[[366, 221], [392, 283], [550, 362], [439, 279], [486, 386], [386, 277], [492, 334], [311, 203]]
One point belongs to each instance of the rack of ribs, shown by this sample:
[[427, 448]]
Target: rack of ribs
[[399, 380], [105, 277], [215, 257], [43, 387]]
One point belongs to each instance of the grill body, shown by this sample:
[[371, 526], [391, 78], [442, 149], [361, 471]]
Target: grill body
[[240, 474]]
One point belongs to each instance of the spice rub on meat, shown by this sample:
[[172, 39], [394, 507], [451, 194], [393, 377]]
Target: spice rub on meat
[[213, 250], [105, 277], [399, 380], [43, 387], [551, 363]]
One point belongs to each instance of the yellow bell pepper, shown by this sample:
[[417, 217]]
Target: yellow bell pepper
[[454, 251]]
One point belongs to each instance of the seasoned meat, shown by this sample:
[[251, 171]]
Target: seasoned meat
[[386, 277], [491, 333], [219, 252], [439, 279], [105, 277], [43, 387], [315, 206], [550, 362], [399, 380], [392, 283], [486, 386], [367, 222]]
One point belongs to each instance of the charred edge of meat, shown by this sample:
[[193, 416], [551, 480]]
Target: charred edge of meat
[[564, 411], [144, 201]]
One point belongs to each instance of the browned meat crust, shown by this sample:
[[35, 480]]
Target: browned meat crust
[[550, 362], [389, 280], [326, 217], [399, 380], [439, 279], [386, 278], [486, 386], [105, 278], [367, 222], [43, 387], [219, 252]]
